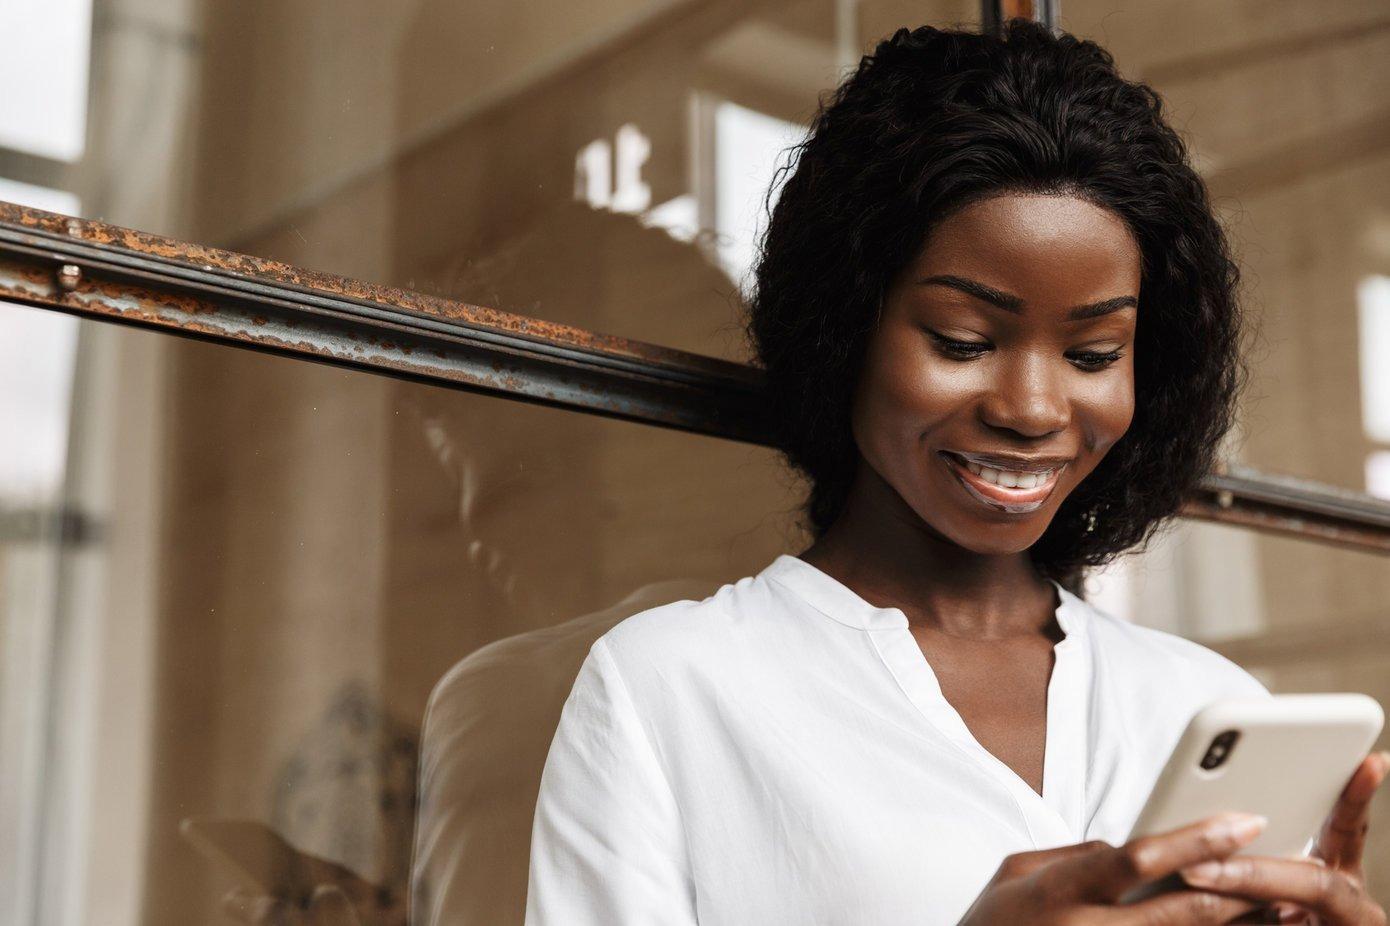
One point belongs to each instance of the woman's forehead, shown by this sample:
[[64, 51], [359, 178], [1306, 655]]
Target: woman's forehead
[[1035, 247]]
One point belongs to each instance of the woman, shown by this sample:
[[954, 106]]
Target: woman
[[999, 325]]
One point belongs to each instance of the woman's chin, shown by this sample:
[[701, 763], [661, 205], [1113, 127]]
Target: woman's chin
[[1007, 536]]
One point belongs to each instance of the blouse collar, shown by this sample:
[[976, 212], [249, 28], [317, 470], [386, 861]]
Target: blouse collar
[[840, 603]]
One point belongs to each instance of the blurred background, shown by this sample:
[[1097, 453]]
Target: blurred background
[[229, 582]]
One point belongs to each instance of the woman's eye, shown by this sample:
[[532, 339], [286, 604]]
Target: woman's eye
[[1094, 360], [962, 350]]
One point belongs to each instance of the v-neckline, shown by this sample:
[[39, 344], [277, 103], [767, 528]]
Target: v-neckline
[[940, 660], [1054, 817]]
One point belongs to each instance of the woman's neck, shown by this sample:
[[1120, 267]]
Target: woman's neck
[[883, 551]]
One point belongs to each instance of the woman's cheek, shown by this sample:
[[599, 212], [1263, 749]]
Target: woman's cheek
[[933, 388], [1108, 409]]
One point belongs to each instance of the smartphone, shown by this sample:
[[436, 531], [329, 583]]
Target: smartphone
[[1285, 757]]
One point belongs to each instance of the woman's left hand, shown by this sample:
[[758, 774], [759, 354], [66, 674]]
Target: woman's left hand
[[1329, 887]]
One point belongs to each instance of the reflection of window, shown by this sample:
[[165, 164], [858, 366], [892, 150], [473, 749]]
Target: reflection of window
[[36, 355], [38, 197], [1373, 297], [606, 181], [749, 146], [44, 75], [1378, 473]]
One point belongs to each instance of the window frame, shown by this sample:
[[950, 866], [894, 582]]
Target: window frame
[[107, 273]]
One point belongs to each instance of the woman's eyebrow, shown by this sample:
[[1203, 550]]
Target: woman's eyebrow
[[1104, 307], [1006, 301], [1011, 303]]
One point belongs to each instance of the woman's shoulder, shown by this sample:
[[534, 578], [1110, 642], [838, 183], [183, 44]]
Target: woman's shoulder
[[1160, 660], [680, 625], [697, 643]]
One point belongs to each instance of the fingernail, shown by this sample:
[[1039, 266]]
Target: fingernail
[[1205, 874], [1238, 828]]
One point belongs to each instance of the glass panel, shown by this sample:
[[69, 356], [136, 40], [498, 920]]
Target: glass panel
[[1287, 122], [283, 561], [286, 564], [36, 365], [1215, 583]]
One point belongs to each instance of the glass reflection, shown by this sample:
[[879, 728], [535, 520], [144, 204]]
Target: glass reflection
[[37, 352], [291, 558]]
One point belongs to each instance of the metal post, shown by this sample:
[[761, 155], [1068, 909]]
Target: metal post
[[994, 13]]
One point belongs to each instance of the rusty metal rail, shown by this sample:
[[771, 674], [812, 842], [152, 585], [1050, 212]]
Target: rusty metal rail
[[108, 273], [114, 274], [1245, 497]]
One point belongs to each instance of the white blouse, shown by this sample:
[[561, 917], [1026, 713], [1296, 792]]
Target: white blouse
[[781, 752]]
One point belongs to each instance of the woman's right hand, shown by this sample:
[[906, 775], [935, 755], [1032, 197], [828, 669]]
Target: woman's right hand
[[1083, 883]]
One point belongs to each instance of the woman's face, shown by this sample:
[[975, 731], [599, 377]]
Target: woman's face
[[1002, 370]]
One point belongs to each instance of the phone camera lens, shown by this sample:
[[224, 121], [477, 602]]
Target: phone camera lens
[[1220, 749]]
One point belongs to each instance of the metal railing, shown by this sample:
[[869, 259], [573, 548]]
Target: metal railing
[[104, 272]]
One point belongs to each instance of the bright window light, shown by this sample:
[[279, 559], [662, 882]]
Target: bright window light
[[39, 197], [36, 356], [1378, 474], [680, 217], [749, 147], [43, 73], [1373, 298], [37, 349]]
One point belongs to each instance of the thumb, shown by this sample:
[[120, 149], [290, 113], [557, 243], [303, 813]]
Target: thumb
[[329, 906]]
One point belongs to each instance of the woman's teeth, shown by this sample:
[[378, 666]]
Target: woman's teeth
[[1008, 479]]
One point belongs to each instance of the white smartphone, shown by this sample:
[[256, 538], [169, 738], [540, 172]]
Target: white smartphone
[[1285, 757]]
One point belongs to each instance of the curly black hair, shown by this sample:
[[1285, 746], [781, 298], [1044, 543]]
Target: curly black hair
[[934, 120]]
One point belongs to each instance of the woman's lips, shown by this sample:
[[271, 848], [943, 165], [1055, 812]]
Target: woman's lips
[[984, 484]]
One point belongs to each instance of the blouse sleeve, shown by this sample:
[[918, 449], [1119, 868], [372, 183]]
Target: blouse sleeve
[[607, 843]]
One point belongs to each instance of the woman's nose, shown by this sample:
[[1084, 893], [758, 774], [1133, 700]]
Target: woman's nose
[[1028, 400]]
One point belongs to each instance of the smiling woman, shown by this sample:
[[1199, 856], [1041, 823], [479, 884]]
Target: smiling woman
[[1067, 200], [999, 324]]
